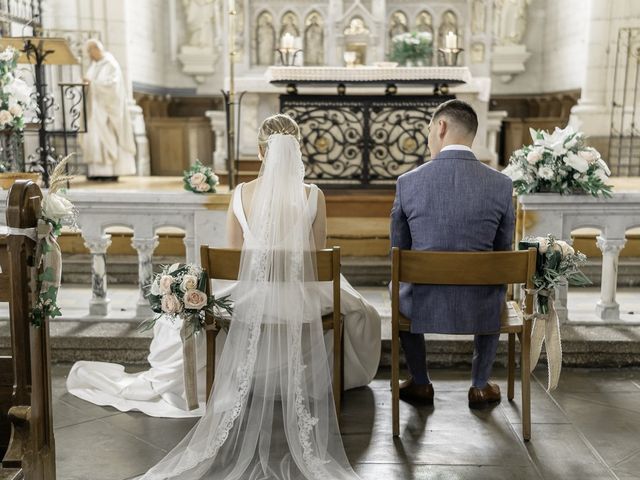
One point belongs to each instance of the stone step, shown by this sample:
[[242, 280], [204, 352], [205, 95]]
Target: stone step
[[122, 342]]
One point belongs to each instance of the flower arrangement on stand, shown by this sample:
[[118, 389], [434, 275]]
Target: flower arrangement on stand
[[16, 98], [412, 48], [56, 211], [557, 264], [558, 162], [179, 292], [200, 179]]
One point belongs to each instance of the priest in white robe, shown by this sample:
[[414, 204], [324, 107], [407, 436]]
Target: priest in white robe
[[108, 146]]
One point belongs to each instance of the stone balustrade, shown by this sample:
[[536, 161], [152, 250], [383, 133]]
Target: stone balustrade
[[560, 215], [201, 217]]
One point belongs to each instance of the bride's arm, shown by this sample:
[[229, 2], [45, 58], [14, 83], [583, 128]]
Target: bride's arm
[[320, 223], [234, 230]]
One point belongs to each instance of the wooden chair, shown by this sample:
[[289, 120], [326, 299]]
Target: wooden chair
[[462, 268], [224, 264], [31, 450]]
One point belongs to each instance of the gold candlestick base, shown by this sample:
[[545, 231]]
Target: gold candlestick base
[[450, 55]]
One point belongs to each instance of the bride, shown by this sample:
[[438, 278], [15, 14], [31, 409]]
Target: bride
[[271, 414], [159, 391]]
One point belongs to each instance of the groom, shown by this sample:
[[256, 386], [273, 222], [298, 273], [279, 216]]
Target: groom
[[452, 203]]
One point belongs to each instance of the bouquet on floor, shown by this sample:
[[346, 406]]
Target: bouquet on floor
[[557, 264], [558, 162], [179, 291], [200, 179]]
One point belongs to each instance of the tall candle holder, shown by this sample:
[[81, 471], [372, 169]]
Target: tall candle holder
[[450, 55], [288, 56]]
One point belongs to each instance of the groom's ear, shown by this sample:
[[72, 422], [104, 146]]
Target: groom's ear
[[443, 126]]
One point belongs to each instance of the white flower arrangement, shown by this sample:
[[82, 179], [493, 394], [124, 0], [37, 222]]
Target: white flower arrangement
[[16, 96], [414, 47], [200, 179], [558, 162]]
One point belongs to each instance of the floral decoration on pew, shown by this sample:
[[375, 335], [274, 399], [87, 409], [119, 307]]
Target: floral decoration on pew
[[179, 292], [200, 179], [56, 211], [557, 264], [558, 162]]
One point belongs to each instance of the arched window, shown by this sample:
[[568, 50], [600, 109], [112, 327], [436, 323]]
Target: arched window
[[289, 24], [398, 24], [314, 39], [265, 39]]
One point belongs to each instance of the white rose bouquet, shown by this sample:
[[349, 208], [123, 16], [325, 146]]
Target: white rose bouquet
[[179, 290], [200, 179], [558, 162], [557, 263]]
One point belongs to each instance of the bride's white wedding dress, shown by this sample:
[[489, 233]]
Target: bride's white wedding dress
[[271, 415], [159, 391]]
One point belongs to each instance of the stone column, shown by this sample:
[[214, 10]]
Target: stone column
[[592, 113], [190, 246], [145, 248], [98, 246], [217, 118], [607, 308], [494, 124]]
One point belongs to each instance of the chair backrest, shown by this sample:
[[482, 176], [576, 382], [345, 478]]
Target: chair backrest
[[224, 263], [463, 268]]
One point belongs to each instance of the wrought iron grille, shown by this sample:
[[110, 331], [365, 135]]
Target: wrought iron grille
[[361, 140], [624, 137]]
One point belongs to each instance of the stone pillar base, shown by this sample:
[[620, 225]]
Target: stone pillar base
[[608, 311], [99, 307]]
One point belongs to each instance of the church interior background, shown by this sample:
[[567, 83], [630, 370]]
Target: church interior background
[[522, 64]]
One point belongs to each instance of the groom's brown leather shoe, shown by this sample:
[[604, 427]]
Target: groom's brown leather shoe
[[482, 397], [412, 392]]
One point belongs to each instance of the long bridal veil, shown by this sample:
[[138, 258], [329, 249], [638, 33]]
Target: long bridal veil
[[271, 414]]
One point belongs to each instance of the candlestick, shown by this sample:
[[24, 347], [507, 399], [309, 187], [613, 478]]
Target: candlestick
[[287, 41]]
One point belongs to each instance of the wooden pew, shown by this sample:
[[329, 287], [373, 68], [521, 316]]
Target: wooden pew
[[31, 449]]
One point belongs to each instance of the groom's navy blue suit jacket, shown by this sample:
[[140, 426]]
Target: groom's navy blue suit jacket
[[453, 203]]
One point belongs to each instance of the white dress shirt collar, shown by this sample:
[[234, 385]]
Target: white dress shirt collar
[[456, 147]]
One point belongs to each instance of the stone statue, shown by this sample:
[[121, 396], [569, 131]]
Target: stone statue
[[265, 39], [477, 16], [509, 21], [108, 147], [199, 15]]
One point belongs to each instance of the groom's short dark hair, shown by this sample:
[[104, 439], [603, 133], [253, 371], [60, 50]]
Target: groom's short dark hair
[[460, 113]]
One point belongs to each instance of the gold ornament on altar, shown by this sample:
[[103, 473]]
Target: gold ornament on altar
[[409, 145], [321, 144]]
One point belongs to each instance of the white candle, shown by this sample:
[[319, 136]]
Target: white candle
[[286, 42], [451, 40]]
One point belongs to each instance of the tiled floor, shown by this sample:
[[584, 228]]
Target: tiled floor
[[588, 429]]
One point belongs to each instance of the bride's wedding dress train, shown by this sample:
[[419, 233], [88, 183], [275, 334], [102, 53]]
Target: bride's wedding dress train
[[159, 391]]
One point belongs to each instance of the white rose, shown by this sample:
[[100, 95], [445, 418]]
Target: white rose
[[565, 247], [197, 179], [215, 179], [545, 172], [16, 110], [56, 207], [534, 156], [514, 173], [194, 299], [5, 117], [7, 54], [543, 244], [155, 288], [170, 304], [590, 155], [203, 187], [165, 283], [18, 90], [576, 162], [189, 282]]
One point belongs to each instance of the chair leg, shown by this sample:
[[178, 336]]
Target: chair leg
[[211, 360], [395, 380], [511, 366], [526, 385], [337, 373]]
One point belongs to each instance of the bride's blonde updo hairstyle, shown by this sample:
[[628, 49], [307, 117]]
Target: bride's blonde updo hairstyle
[[278, 123]]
